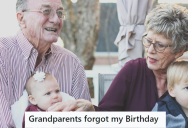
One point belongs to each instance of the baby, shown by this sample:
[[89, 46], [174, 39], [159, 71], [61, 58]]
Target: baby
[[176, 103], [43, 91]]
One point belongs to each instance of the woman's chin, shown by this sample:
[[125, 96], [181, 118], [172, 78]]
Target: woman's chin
[[152, 66]]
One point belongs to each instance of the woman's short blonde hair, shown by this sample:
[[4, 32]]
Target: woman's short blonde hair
[[177, 72]]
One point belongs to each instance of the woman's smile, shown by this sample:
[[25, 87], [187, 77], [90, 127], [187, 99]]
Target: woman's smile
[[152, 60]]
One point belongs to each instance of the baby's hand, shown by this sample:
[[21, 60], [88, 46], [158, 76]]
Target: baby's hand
[[53, 106]]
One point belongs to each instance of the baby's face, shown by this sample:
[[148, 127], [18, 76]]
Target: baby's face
[[47, 93], [180, 92]]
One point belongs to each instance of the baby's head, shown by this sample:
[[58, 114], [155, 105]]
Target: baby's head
[[43, 90], [177, 77]]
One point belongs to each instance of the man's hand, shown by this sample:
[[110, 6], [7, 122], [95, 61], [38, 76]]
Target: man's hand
[[72, 105]]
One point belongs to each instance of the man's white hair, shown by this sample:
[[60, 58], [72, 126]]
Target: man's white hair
[[21, 5]]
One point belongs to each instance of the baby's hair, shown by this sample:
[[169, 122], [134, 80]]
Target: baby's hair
[[31, 82], [177, 73]]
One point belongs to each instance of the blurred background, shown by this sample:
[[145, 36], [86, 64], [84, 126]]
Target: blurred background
[[89, 31]]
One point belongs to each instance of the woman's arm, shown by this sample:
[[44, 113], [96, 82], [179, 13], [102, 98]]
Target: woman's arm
[[114, 99]]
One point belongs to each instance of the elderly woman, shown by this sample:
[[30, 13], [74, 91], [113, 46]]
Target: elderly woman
[[143, 82]]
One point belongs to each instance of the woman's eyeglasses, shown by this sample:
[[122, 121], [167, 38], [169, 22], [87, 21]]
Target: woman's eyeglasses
[[157, 46]]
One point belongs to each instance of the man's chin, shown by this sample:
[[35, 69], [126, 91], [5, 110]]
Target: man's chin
[[52, 40]]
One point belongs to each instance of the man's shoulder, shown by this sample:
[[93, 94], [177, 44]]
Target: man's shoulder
[[60, 50], [7, 42]]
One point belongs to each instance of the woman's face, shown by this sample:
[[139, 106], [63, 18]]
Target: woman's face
[[159, 61]]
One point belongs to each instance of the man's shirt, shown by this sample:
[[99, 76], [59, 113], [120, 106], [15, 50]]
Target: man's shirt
[[17, 63]]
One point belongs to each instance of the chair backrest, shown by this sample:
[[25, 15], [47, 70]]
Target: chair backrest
[[105, 81]]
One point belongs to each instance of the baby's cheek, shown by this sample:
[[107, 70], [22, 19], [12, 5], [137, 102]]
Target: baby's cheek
[[61, 99], [183, 101], [46, 104]]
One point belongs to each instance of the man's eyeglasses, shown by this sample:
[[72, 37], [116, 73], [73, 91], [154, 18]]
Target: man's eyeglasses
[[50, 13], [157, 46]]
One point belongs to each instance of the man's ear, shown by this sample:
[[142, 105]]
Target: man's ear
[[171, 92], [179, 53], [20, 18], [32, 100]]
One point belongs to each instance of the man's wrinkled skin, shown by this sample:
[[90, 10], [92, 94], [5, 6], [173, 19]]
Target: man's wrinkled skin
[[35, 30], [72, 105]]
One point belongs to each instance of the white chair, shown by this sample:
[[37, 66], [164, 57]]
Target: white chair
[[105, 81]]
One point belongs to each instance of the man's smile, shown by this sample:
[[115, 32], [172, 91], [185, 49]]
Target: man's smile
[[51, 29]]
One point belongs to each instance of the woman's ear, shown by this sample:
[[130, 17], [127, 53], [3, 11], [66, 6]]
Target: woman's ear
[[179, 53], [20, 18], [32, 100], [171, 92]]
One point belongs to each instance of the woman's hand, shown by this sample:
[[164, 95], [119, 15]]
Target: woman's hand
[[72, 105]]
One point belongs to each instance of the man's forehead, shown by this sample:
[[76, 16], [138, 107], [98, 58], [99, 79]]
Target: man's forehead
[[45, 3], [48, 5]]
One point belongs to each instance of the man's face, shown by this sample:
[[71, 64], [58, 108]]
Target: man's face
[[39, 27], [47, 93]]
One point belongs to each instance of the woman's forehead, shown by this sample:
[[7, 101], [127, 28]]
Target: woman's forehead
[[158, 37]]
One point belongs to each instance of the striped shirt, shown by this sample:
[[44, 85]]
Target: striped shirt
[[17, 63]]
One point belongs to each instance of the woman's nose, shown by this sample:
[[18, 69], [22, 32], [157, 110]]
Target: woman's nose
[[151, 49]]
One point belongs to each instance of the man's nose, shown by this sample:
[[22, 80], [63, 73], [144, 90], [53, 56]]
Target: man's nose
[[54, 18]]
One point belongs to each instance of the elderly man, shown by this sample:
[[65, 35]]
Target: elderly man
[[31, 50]]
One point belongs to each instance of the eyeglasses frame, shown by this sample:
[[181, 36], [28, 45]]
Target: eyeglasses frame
[[154, 45], [40, 11]]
